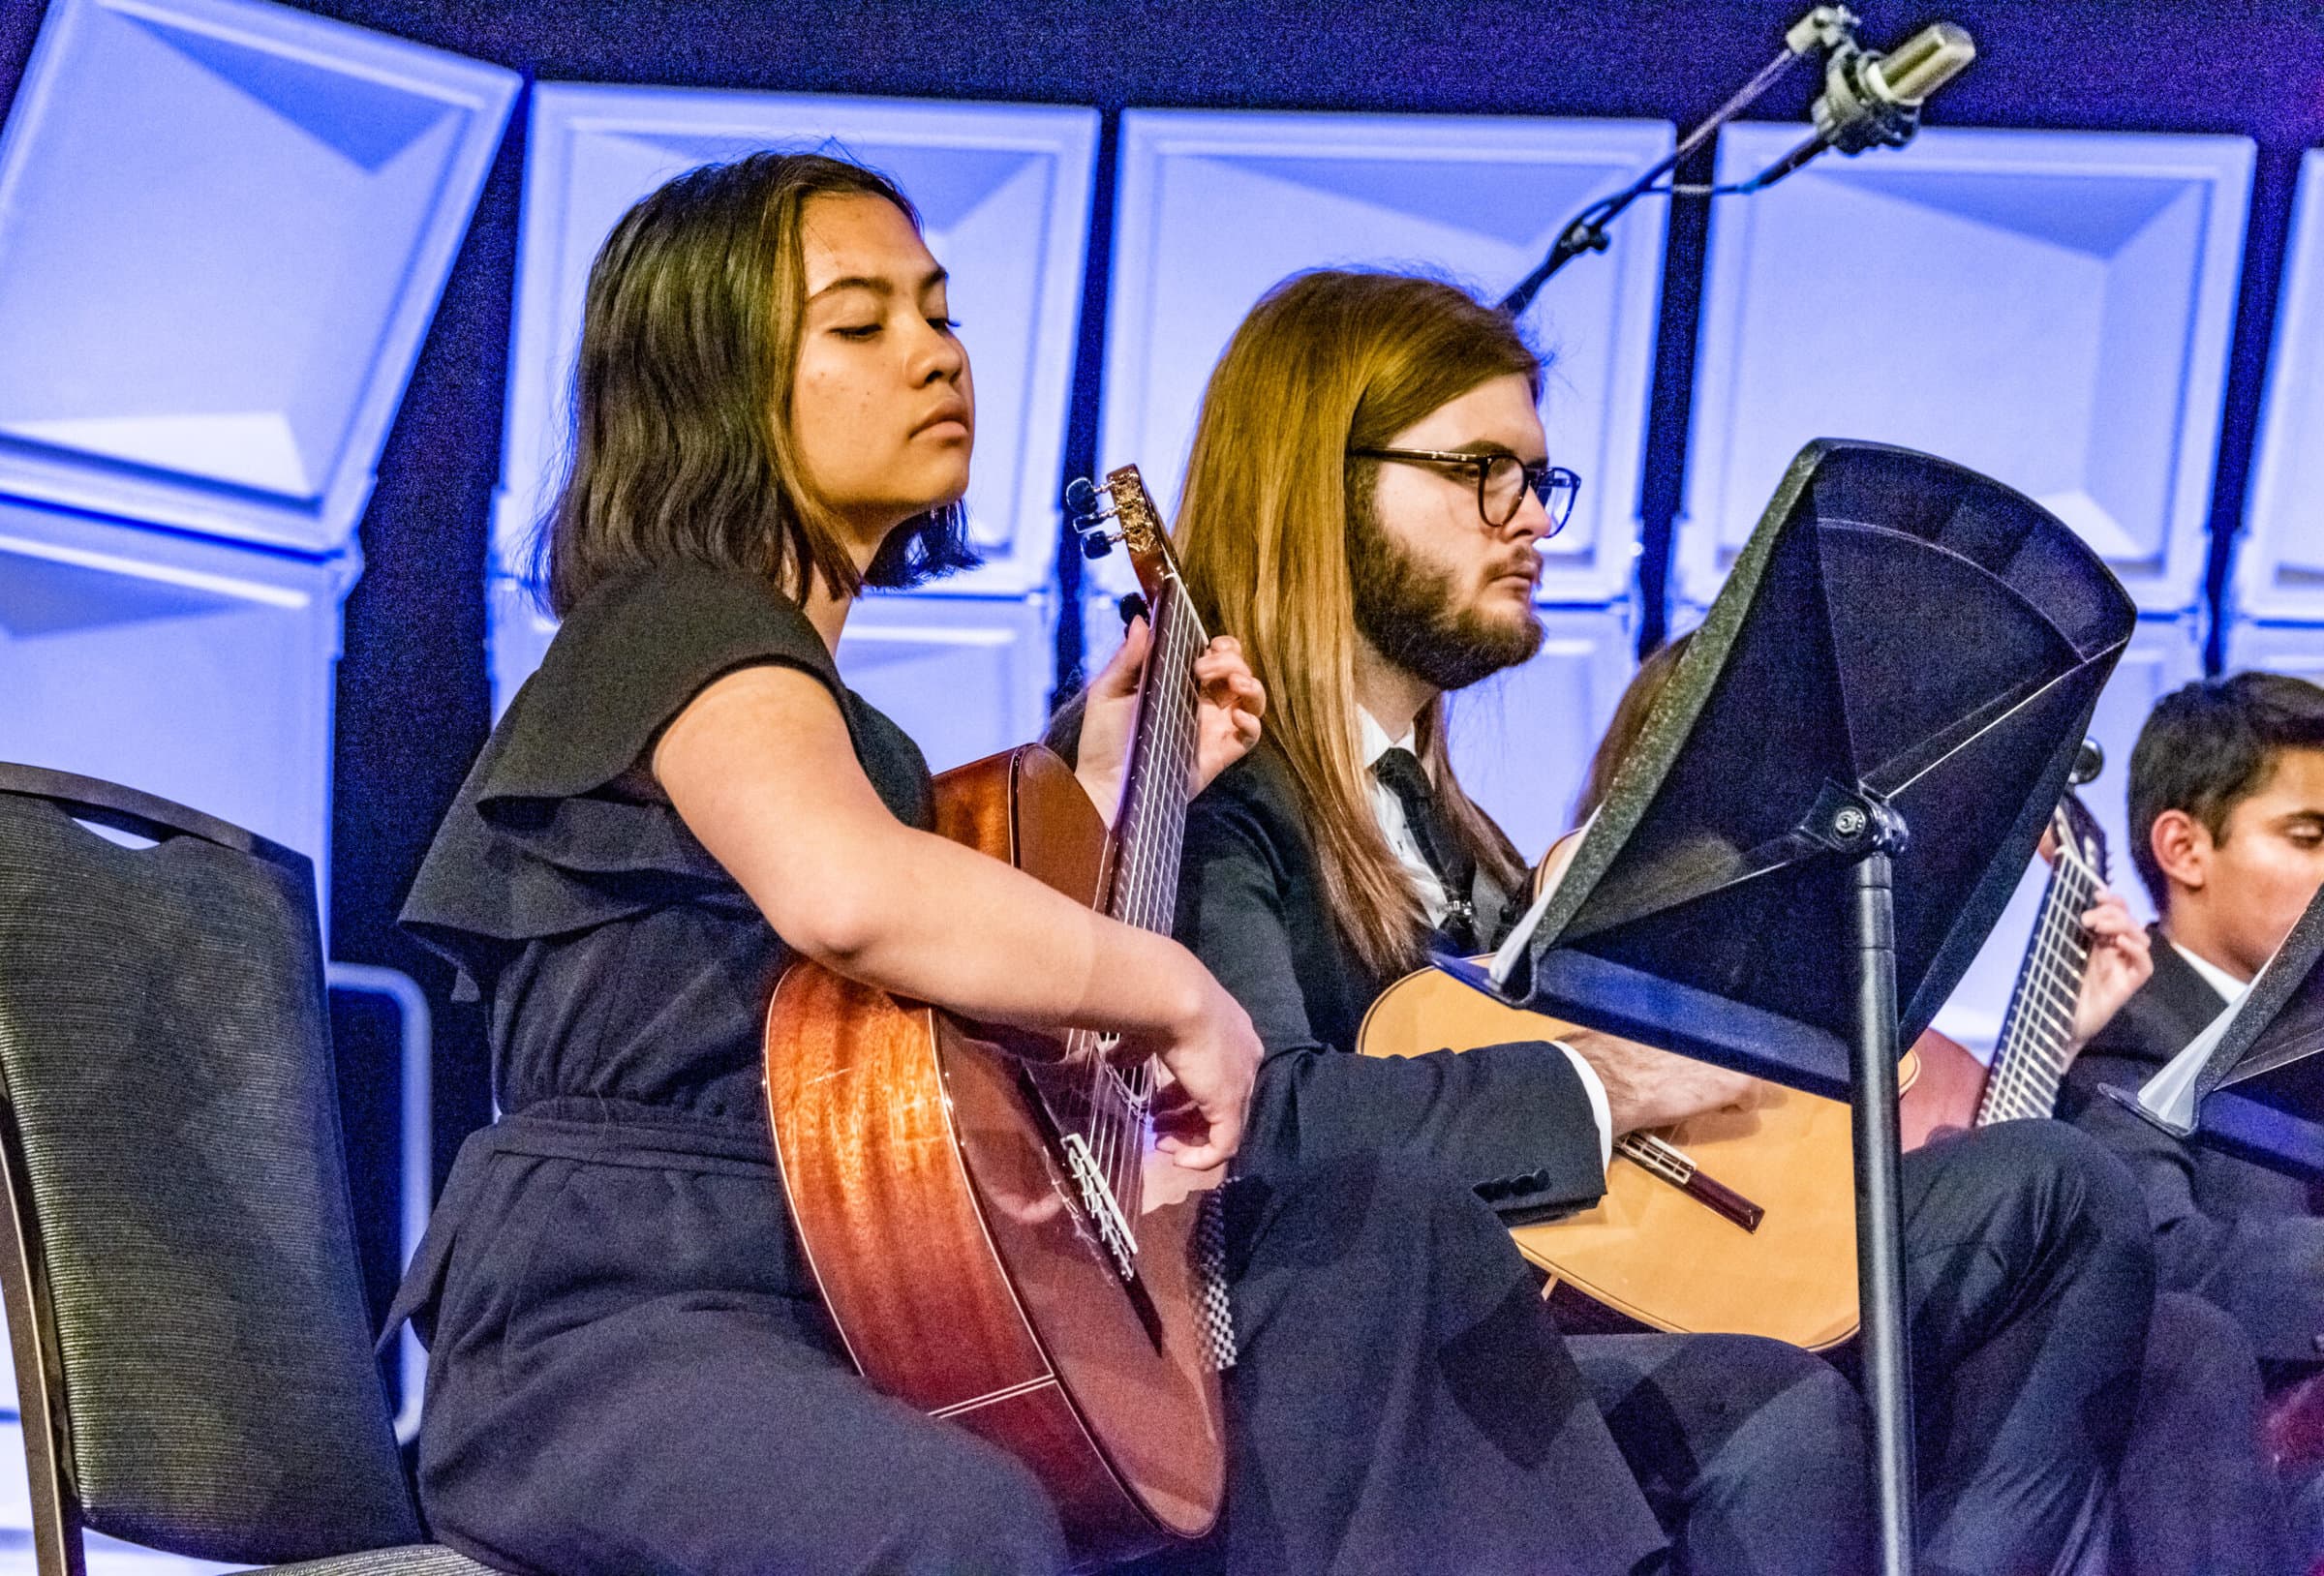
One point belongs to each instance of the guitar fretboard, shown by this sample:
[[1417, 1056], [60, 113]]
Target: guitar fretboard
[[1096, 1102], [2031, 1058]]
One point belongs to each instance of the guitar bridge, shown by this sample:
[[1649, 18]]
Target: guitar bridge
[[1100, 1205], [1677, 1168]]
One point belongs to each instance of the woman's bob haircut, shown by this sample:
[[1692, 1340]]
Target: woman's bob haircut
[[681, 446]]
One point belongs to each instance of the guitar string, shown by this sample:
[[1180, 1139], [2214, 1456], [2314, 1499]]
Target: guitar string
[[2031, 1054], [1159, 856], [2038, 1027], [2013, 1020], [2028, 1007], [1155, 792]]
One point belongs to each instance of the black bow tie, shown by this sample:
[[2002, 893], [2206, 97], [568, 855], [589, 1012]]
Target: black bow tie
[[1400, 772]]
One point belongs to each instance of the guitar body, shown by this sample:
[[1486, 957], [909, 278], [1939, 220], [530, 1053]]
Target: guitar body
[[1651, 1255], [1944, 1100], [948, 1241]]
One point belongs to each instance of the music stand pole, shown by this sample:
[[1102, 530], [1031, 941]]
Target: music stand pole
[[1887, 1360], [1754, 843]]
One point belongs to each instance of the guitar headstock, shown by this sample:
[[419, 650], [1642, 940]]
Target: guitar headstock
[[2076, 829], [1124, 503]]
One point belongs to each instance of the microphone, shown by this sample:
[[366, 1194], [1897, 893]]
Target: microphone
[[1871, 100]]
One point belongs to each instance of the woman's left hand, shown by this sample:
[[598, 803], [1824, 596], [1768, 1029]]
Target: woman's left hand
[[2121, 961], [1226, 721], [1109, 716], [1233, 701]]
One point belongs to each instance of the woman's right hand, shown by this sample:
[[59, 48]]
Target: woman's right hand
[[1213, 1054]]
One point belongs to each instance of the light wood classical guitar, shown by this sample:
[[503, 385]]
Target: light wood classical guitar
[[1744, 1222], [973, 1201]]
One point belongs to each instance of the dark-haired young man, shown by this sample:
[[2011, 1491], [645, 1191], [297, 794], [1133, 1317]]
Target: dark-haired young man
[[1368, 486], [2227, 832]]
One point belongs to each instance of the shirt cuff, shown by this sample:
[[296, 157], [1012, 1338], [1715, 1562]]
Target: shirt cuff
[[1601, 1111]]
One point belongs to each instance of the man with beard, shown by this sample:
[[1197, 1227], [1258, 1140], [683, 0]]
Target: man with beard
[[1368, 486]]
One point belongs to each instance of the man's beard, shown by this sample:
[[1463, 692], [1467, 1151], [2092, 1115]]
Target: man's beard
[[1407, 609]]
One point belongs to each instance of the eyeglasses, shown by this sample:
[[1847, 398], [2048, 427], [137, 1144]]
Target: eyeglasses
[[1502, 482]]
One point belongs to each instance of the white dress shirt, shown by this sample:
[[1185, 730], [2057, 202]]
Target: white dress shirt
[[1389, 810]]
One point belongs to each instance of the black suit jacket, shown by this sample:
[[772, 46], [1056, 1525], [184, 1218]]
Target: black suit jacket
[[2238, 1235], [1512, 1121]]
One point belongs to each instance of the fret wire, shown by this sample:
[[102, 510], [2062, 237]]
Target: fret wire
[[2038, 1027], [1159, 770]]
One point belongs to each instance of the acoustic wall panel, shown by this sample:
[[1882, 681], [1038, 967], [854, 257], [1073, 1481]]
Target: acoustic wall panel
[[1003, 190], [965, 676], [224, 226], [1215, 208], [2279, 562], [2164, 654], [191, 669], [2296, 649], [2051, 308], [1522, 739]]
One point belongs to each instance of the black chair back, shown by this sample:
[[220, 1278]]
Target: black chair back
[[193, 1353]]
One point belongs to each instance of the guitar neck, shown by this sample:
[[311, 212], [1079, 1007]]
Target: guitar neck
[[2035, 1046], [1149, 828]]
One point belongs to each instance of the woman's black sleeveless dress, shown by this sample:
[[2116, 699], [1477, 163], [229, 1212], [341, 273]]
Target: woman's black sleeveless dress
[[631, 1373], [630, 1369]]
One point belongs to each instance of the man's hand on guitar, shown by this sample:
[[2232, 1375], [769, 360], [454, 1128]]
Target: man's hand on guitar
[[1650, 1088], [2121, 961], [1212, 1055]]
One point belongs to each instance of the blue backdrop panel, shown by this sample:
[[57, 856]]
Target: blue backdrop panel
[[2279, 562], [1214, 208], [1521, 740], [2277, 648], [224, 226], [1004, 191], [188, 668], [965, 676], [2164, 654], [2052, 308]]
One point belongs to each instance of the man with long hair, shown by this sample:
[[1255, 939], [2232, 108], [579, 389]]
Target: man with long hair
[[1367, 487]]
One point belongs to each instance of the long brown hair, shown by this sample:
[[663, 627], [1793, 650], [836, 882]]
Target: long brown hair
[[1327, 362], [680, 444]]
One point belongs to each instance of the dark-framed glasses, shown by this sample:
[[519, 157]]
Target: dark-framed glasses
[[1502, 482]]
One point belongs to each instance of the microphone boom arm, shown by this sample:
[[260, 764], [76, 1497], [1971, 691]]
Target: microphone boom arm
[[1826, 27]]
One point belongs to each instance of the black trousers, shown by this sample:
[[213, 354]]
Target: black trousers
[[1405, 1404], [2030, 1278], [2198, 1494]]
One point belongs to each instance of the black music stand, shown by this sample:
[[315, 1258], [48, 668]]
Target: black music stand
[[1830, 805], [2257, 1086]]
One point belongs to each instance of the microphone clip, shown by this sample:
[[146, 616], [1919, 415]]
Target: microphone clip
[[1857, 108]]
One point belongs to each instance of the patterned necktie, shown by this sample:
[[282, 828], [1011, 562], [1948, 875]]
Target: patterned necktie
[[1400, 772]]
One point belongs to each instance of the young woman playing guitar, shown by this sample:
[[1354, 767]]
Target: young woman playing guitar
[[632, 1367]]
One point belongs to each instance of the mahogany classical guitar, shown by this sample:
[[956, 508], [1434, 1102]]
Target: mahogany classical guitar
[[973, 1201], [1744, 1222]]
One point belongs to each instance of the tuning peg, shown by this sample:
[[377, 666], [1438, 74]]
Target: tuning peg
[[2088, 760], [1087, 513]]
